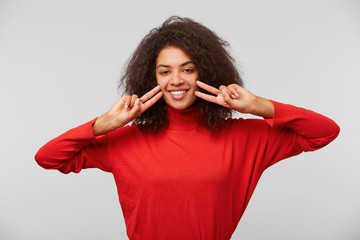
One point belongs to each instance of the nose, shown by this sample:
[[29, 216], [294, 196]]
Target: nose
[[176, 79]]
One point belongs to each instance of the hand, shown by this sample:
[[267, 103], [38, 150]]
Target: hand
[[237, 98], [126, 109]]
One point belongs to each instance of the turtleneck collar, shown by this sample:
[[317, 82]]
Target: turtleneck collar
[[185, 119]]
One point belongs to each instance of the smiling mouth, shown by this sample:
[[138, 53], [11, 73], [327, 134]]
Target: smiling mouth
[[178, 92]]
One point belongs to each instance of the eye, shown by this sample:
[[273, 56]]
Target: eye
[[188, 70], [164, 72]]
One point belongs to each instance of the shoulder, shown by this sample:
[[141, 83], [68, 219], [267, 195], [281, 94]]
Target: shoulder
[[126, 134], [244, 127], [246, 124]]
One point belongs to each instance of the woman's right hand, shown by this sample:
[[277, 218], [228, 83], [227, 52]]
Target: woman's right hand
[[125, 110]]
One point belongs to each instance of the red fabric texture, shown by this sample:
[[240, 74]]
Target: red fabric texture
[[186, 182]]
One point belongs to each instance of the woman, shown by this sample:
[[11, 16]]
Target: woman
[[184, 169]]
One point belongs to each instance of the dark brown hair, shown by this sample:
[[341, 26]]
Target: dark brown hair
[[215, 67]]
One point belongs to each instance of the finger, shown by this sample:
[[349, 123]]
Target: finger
[[135, 110], [132, 100], [207, 97], [228, 99], [208, 88], [150, 94], [151, 102], [125, 101], [228, 90], [233, 88], [118, 104], [224, 88], [225, 94]]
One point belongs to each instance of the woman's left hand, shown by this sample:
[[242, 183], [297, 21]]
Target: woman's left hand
[[237, 98]]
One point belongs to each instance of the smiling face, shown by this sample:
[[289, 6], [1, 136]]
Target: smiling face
[[176, 74]]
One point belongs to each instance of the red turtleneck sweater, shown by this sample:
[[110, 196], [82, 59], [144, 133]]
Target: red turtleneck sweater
[[188, 183]]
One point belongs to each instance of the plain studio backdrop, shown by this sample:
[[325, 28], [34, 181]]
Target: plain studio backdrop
[[59, 66]]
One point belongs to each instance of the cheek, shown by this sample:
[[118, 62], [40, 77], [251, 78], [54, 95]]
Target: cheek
[[161, 82], [192, 82]]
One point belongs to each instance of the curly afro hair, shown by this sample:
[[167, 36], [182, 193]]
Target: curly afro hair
[[209, 52]]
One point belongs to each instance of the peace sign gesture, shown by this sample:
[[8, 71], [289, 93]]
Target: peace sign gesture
[[236, 98], [126, 109]]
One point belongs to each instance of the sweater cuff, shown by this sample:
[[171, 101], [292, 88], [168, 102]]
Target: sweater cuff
[[281, 114], [85, 131]]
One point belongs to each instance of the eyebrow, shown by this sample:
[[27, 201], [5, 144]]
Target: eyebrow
[[182, 65]]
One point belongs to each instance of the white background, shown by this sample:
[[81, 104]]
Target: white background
[[59, 66]]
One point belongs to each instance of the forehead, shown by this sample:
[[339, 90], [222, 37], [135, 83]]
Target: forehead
[[172, 55]]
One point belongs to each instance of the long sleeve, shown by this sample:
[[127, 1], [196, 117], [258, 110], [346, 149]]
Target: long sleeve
[[187, 182], [74, 150], [294, 130]]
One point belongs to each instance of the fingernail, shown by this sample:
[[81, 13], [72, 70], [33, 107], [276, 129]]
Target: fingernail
[[223, 92], [137, 101], [233, 96], [237, 95], [126, 106]]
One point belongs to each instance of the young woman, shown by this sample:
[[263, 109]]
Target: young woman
[[185, 169]]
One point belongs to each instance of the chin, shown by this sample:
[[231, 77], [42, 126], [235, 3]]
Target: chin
[[178, 106], [181, 106]]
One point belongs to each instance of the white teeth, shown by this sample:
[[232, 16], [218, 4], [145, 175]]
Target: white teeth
[[177, 92]]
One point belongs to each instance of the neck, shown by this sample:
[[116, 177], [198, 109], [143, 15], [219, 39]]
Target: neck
[[184, 119]]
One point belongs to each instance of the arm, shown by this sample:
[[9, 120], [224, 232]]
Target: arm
[[85, 145], [292, 129], [74, 150]]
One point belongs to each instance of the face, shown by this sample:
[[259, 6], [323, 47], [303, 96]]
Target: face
[[176, 74]]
